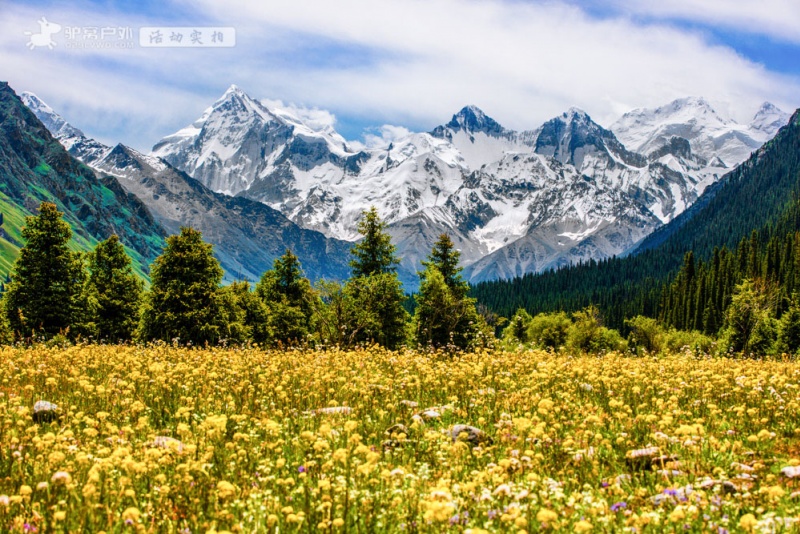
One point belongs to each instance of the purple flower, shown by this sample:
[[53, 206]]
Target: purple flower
[[617, 506], [301, 469], [27, 527], [670, 491], [454, 520], [492, 514], [604, 484]]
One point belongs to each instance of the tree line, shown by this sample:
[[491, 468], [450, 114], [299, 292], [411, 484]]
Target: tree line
[[57, 293]]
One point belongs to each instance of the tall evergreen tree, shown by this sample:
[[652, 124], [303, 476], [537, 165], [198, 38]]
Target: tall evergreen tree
[[183, 301], [45, 295], [289, 299], [444, 314], [375, 285], [375, 253], [114, 290], [445, 257]]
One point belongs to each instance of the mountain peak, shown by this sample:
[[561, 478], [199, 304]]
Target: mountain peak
[[574, 114], [472, 119], [54, 122], [769, 119]]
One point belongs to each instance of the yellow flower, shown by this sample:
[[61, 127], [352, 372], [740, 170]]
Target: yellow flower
[[131, 514], [60, 515], [225, 489], [546, 516], [338, 522], [748, 522], [583, 526]]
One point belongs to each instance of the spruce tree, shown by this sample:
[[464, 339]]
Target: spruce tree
[[45, 295], [444, 314], [445, 258], [375, 285], [183, 302], [375, 253], [114, 290], [289, 299]]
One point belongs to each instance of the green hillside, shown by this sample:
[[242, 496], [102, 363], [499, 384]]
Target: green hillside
[[34, 167]]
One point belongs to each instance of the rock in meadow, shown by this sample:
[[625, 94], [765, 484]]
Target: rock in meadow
[[44, 412], [469, 434]]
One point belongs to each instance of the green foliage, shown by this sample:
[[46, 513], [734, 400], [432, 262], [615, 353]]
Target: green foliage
[[183, 302], [114, 290], [587, 333], [788, 341], [289, 299], [549, 330], [374, 286], [246, 315], [516, 332], [675, 341], [380, 315], [444, 315], [375, 253], [445, 258], [441, 318], [646, 335], [749, 328], [45, 296]]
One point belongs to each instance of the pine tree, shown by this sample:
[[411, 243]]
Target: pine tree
[[183, 302], [375, 285], [445, 258], [45, 295], [289, 299], [375, 253], [114, 290], [444, 314]]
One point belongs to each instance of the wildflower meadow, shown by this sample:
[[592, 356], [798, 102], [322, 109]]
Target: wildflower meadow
[[173, 439]]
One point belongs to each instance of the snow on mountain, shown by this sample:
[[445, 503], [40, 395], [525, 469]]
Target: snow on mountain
[[769, 119], [247, 235], [710, 136], [54, 122], [238, 140], [514, 202]]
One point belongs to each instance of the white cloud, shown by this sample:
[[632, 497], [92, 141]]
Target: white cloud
[[317, 119], [408, 62], [384, 135], [779, 19]]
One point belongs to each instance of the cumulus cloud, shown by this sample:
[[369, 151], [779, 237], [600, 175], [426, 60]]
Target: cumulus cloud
[[409, 62], [382, 136], [317, 119]]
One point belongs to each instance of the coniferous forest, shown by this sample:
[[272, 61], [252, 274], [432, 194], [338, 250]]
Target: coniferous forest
[[686, 274]]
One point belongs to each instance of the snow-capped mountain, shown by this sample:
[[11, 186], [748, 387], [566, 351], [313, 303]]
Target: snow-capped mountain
[[710, 136], [247, 235], [514, 202]]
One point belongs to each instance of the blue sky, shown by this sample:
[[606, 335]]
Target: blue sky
[[363, 65]]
